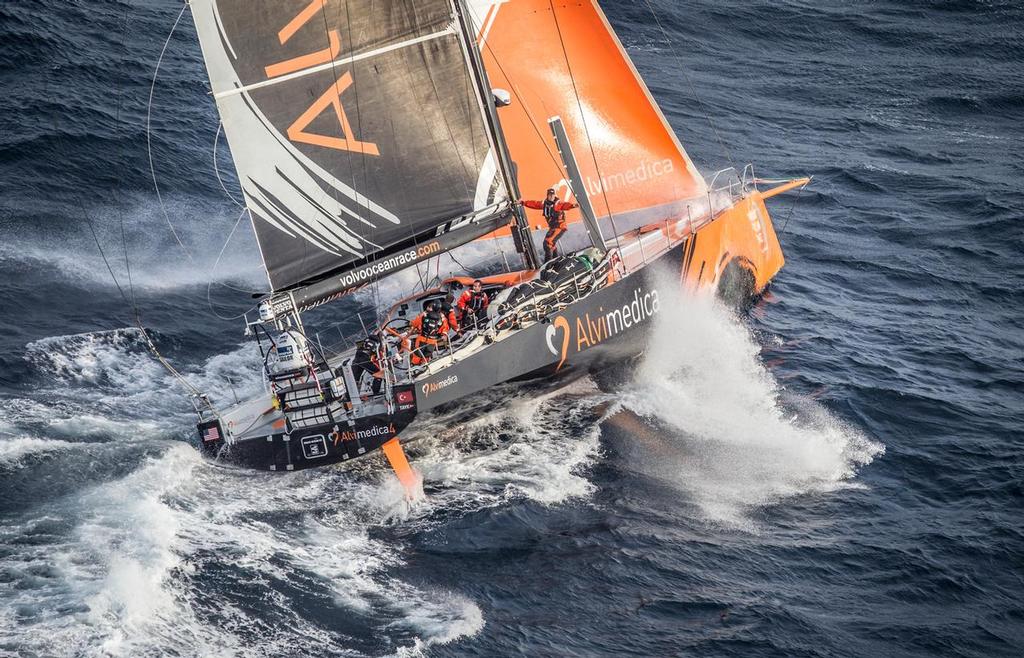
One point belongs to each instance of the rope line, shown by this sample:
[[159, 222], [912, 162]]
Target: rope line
[[213, 271], [586, 129], [792, 207], [689, 82], [120, 160], [216, 167], [149, 139]]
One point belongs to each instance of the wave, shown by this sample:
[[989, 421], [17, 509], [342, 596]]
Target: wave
[[14, 450], [111, 367], [537, 448], [133, 558], [737, 440]]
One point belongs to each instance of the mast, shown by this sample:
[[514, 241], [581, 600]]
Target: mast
[[564, 59], [521, 234], [362, 133]]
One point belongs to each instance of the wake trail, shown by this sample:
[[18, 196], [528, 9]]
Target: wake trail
[[172, 554]]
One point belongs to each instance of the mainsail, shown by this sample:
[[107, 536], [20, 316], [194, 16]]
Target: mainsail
[[563, 59], [361, 132]]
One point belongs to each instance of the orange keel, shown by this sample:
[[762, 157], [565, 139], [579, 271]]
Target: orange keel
[[400, 464]]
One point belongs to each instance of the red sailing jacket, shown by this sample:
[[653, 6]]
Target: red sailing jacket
[[476, 303], [553, 212]]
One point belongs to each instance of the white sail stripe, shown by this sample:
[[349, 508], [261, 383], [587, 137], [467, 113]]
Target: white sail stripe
[[328, 233], [223, 32], [340, 61], [484, 13], [486, 179], [490, 23], [273, 221]]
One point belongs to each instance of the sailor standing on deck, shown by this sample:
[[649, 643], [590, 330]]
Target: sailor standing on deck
[[473, 305], [554, 213]]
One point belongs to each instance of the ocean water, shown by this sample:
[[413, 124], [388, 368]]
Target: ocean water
[[836, 472]]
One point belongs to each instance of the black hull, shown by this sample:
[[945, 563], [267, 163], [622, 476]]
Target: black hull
[[589, 336]]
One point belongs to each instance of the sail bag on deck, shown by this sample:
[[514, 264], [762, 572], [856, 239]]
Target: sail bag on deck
[[359, 131]]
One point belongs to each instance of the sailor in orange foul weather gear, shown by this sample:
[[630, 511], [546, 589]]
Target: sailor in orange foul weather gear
[[430, 328], [473, 305], [450, 313], [554, 213]]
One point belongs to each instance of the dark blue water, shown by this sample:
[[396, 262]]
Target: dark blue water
[[836, 473]]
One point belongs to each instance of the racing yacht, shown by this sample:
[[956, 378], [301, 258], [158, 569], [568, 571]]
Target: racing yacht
[[374, 137]]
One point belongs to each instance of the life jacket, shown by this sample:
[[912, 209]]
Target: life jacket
[[477, 301], [366, 359], [555, 217], [431, 324]]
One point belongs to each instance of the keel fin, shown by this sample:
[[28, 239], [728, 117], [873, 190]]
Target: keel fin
[[400, 464]]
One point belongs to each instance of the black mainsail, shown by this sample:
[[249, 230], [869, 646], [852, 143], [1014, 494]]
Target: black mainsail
[[361, 131]]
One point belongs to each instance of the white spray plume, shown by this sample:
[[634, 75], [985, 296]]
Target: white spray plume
[[738, 441]]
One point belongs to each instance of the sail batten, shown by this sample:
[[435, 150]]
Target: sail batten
[[356, 126], [341, 61]]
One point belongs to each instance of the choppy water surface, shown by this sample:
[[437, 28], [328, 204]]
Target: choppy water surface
[[837, 472]]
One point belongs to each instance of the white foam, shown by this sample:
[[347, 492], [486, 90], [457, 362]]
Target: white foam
[[733, 444], [13, 450], [104, 370], [130, 566], [554, 442], [441, 619]]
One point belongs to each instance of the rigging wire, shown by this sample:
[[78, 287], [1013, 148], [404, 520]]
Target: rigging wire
[[132, 301], [213, 270], [559, 166], [792, 207], [526, 108], [120, 159], [149, 140], [586, 128], [689, 82], [216, 167]]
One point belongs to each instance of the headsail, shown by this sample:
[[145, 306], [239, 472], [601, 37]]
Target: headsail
[[563, 59], [358, 128]]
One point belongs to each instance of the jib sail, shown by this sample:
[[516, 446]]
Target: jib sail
[[360, 132], [563, 59]]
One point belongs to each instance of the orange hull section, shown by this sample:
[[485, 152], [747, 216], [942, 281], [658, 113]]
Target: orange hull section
[[744, 235]]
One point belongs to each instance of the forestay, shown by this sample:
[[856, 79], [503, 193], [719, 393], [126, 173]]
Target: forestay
[[359, 130]]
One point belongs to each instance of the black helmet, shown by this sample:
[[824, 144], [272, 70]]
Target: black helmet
[[431, 306]]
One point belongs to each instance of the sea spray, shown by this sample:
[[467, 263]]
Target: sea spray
[[537, 448], [741, 441]]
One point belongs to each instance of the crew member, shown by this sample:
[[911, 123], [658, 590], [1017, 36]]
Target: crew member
[[430, 328], [450, 313], [367, 360], [554, 213], [473, 305]]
